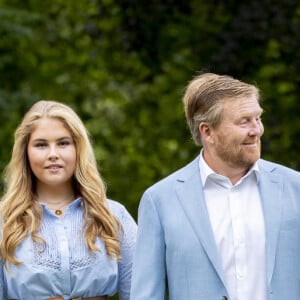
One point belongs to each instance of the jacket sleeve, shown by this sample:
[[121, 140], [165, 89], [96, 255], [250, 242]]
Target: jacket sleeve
[[149, 271], [128, 240]]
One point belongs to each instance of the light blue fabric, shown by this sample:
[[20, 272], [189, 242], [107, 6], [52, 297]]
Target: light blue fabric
[[176, 249], [66, 268]]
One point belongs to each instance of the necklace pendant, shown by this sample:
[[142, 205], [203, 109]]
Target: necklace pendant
[[58, 212]]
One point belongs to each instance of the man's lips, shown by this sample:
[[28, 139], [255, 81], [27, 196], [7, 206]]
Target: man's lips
[[251, 144]]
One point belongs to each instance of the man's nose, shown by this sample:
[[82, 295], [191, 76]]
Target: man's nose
[[256, 128]]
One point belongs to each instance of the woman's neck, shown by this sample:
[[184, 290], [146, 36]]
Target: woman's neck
[[55, 196]]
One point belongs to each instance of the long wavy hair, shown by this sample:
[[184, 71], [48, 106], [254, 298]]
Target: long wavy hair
[[21, 214]]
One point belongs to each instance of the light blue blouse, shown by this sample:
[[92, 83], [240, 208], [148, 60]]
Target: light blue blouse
[[65, 267]]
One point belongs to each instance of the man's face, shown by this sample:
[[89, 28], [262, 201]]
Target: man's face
[[237, 137]]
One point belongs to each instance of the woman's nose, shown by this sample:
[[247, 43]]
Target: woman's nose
[[52, 153]]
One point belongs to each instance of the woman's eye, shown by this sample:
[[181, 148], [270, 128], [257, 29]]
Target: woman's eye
[[40, 145], [64, 143]]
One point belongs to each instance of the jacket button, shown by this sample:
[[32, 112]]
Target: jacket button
[[224, 298]]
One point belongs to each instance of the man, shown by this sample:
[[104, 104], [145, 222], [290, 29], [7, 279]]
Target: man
[[227, 225]]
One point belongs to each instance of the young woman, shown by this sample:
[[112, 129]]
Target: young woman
[[61, 237]]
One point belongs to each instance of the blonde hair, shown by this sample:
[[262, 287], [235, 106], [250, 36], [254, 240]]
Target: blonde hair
[[21, 215], [205, 96]]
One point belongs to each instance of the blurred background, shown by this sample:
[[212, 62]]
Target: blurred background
[[123, 66]]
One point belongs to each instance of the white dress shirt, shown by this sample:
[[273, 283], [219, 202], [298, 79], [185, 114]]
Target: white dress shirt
[[237, 221]]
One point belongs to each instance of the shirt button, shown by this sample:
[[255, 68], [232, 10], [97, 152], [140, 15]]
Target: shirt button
[[224, 298]]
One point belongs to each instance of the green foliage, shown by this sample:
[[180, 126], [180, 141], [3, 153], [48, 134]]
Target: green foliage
[[123, 66]]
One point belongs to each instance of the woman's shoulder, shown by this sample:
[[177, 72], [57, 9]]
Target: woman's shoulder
[[120, 211], [115, 206]]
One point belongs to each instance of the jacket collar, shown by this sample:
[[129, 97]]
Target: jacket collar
[[190, 193]]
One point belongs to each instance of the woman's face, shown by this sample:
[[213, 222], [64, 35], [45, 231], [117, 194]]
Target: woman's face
[[51, 153]]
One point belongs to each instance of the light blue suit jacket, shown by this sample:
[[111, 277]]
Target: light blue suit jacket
[[176, 248]]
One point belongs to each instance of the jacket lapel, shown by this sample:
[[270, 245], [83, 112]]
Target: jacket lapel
[[191, 198], [271, 189]]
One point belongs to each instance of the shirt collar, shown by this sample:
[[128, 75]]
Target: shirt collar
[[77, 202], [206, 171]]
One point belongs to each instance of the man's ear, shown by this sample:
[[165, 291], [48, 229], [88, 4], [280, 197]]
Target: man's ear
[[206, 132]]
